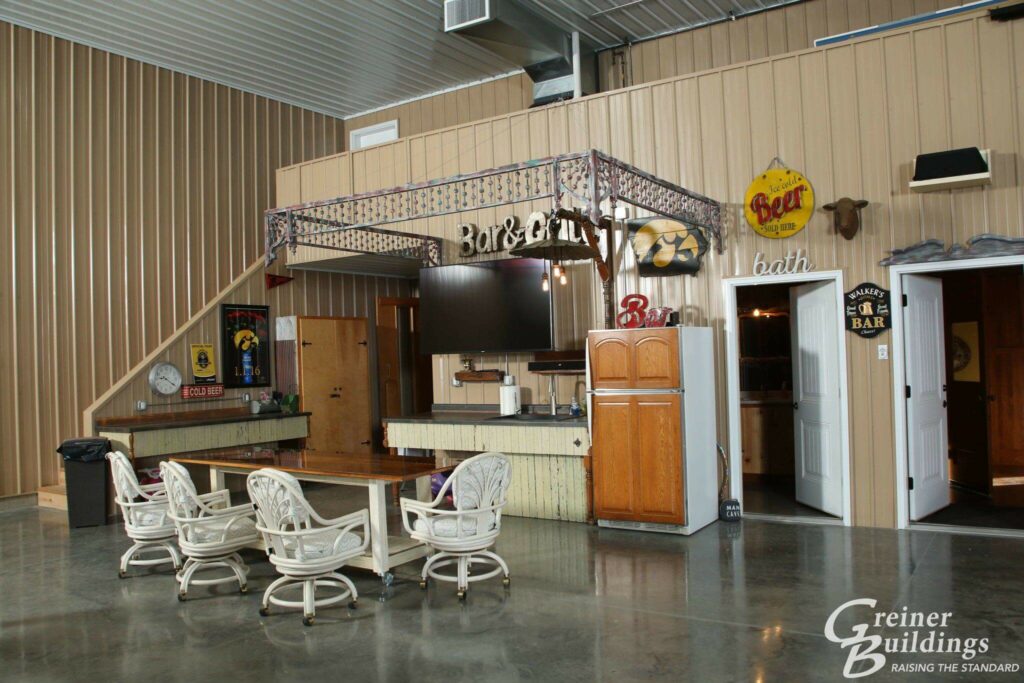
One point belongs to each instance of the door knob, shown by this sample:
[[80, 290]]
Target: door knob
[[796, 406]]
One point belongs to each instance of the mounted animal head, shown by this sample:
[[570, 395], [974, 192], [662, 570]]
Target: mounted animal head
[[846, 215]]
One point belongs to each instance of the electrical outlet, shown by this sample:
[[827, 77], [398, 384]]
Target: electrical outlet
[[883, 352]]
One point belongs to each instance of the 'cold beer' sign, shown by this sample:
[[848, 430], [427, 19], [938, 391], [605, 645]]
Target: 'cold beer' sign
[[779, 203]]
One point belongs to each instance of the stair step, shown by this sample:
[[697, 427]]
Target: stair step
[[54, 497]]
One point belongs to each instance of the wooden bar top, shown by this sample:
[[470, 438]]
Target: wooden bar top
[[392, 468], [198, 418]]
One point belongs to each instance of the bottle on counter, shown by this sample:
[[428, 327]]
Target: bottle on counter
[[574, 408]]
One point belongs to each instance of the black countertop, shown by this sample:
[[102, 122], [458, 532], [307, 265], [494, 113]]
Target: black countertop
[[132, 425], [473, 417]]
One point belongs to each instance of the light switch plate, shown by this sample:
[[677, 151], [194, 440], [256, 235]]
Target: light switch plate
[[883, 352]]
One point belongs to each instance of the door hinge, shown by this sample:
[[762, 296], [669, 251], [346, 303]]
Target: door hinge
[[904, 299], [908, 391], [910, 483]]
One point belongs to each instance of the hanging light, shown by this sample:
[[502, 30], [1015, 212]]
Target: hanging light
[[757, 312], [562, 279], [544, 282], [556, 269], [555, 250]]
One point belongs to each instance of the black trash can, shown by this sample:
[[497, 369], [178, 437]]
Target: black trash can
[[85, 471]]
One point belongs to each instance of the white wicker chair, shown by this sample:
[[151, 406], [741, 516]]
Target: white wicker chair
[[210, 532], [462, 536], [303, 553], [144, 509]]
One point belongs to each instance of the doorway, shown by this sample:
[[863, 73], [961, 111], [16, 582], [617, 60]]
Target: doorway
[[787, 397], [405, 376], [334, 382], [961, 360]]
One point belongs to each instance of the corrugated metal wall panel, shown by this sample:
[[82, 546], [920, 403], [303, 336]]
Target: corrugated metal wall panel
[[130, 196], [852, 117]]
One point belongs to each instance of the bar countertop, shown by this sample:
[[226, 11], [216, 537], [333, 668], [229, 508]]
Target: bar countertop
[[129, 425], [483, 418]]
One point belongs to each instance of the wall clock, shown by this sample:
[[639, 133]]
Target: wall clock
[[165, 378]]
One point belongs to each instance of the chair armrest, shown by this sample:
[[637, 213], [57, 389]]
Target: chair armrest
[[241, 510], [153, 488], [218, 497]]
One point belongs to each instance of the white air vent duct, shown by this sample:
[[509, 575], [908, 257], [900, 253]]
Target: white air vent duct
[[515, 32]]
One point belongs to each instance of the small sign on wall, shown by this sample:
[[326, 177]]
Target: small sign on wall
[[204, 369], [202, 391], [868, 310]]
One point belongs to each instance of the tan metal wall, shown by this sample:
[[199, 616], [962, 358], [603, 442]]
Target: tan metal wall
[[129, 196], [775, 32], [851, 117], [767, 34], [499, 96]]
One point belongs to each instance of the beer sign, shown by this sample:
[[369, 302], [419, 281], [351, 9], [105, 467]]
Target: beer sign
[[868, 310], [779, 203]]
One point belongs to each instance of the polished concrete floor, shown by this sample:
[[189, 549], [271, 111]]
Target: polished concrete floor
[[735, 602], [776, 496]]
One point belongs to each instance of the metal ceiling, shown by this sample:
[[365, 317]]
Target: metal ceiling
[[339, 57]]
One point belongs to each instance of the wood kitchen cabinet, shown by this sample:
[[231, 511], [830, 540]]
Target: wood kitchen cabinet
[[635, 359], [638, 473]]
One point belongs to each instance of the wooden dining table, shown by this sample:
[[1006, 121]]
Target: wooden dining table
[[374, 472]]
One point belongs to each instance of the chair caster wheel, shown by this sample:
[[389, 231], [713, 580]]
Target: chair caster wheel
[[243, 589], [462, 595], [423, 585], [264, 612], [354, 604], [307, 621], [388, 578], [121, 574], [181, 597], [506, 582]]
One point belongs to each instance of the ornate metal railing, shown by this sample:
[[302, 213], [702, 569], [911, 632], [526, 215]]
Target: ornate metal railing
[[583, 179]]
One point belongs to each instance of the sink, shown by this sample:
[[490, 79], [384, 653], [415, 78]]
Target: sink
[[531, 417]]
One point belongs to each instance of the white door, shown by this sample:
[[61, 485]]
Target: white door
[[927, 436], [816, 401]]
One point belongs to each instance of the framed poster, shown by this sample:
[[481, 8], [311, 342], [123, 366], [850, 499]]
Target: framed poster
[[245, 345], [966, 365]]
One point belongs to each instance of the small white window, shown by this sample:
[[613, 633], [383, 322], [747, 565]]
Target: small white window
[[376, 134]]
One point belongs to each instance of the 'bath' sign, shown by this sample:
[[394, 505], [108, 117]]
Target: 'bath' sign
[[794, 262], [510, 234], [867, 308]]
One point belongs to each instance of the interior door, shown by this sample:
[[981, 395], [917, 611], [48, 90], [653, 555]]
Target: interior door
[[927, 428], [334, 383], [816, 400], [1003, 290]]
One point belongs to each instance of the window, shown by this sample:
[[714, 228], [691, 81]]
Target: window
[[373, 135]]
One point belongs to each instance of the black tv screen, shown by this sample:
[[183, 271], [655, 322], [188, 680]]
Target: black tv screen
[[485, 307]]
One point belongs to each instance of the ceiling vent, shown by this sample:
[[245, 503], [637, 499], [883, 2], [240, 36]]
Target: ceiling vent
[[513, 31]]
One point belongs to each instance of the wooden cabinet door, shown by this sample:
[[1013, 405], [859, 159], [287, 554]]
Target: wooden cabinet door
[[611, 359], [613, 452], [658, 472], [655, 358]]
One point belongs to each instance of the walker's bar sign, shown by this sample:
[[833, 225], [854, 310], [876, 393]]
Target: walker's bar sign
[[779, 202], [867, 310], [509, 235]]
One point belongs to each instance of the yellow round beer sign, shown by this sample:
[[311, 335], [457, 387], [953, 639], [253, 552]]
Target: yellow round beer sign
[[779, 203]]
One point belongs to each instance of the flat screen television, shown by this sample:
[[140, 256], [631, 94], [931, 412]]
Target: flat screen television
[[491, 306]]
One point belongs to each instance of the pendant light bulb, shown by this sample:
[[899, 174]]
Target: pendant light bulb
[[556, 270], [563, 279], [544, 282], [757, 312]]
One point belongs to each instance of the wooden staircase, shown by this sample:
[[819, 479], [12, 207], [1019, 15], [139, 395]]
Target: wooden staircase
[[54, 497]]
